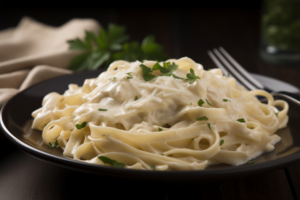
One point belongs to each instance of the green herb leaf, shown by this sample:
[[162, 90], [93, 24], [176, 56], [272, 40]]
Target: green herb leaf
[[111, 162], [252, 127], [250, 162], [109, 45], [228, 75], [112, 78], [80, 126], [162, 154], [177, 77], [202, 118], [191, 76], [147, 73], [153, 167], [129, 77], [129, 73], [208, 103], [209, 126], [241, 120], [52, 146], [276, 113], [101, 109], [136, 98], [159, 129], [167, 68], [200, 102], [221, 142], [226, 100]]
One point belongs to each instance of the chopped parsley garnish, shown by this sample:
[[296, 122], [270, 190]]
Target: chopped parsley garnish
[[159, 129], [228, 74], [221, 142], [241, 120], [209, 126], [136, 98], [153, 167], [80, 126], [252, 127], [129, 77], [226, 100], [191, 76], [179, 77], [52, 146], [200, 102], [208, 103], [162, 154], [250, 162], [129, 73], [112, 78], [147, 73], [208, 69], [101, 109], [191, 103], [167, 68], [202, 118], [276, 113], [111, 162]]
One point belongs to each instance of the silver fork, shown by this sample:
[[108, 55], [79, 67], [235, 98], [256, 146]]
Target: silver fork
[[230, 66]]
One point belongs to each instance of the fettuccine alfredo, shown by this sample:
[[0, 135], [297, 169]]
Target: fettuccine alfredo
[[172, 115]]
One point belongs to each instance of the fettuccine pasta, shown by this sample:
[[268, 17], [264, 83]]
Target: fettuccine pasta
[[172, 115]]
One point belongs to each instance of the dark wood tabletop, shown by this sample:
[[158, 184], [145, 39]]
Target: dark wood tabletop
[[183, 32]]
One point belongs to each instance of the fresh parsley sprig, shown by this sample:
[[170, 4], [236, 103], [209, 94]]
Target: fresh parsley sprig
[[109, 45]]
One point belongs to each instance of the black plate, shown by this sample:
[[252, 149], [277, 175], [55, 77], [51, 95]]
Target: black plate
[[16, 123]]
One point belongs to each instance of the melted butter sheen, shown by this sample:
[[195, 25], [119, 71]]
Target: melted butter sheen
[[153, 125]]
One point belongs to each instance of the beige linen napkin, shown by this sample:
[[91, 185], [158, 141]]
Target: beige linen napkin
[[33, 52]]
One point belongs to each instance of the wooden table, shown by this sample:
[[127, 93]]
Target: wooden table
[[183, 32]]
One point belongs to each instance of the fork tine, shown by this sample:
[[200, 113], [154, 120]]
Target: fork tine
[[241, 69], [219, 65], [233, 72]]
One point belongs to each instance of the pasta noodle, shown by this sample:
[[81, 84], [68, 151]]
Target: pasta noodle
[[175, 116]]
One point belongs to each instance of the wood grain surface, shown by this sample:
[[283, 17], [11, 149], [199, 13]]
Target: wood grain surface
[[183, 32]]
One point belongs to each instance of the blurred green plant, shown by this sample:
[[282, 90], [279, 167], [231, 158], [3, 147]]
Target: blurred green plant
[[281, 24], [107, 46]]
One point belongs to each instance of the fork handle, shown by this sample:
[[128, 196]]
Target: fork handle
[[291, 96]]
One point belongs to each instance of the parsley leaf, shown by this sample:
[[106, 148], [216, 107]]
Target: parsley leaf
[[159, 129], [111, 162], [153, 167], [167, 68], [52, 146], [80, 126], [276, 113], [109, 45], [179, 77], [226, 100], [251, 127], [200, 102], [221, 142], [191, 76], [101, 109], [136, 98], [241, 120], [129, 73], [202, 118], [209, 126], [129, 77], [147, 73], [208, 103], [112, 78], [250, 162], [162, 154]]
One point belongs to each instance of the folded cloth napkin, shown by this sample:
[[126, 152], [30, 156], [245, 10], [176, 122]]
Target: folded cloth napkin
[[33, 52]]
